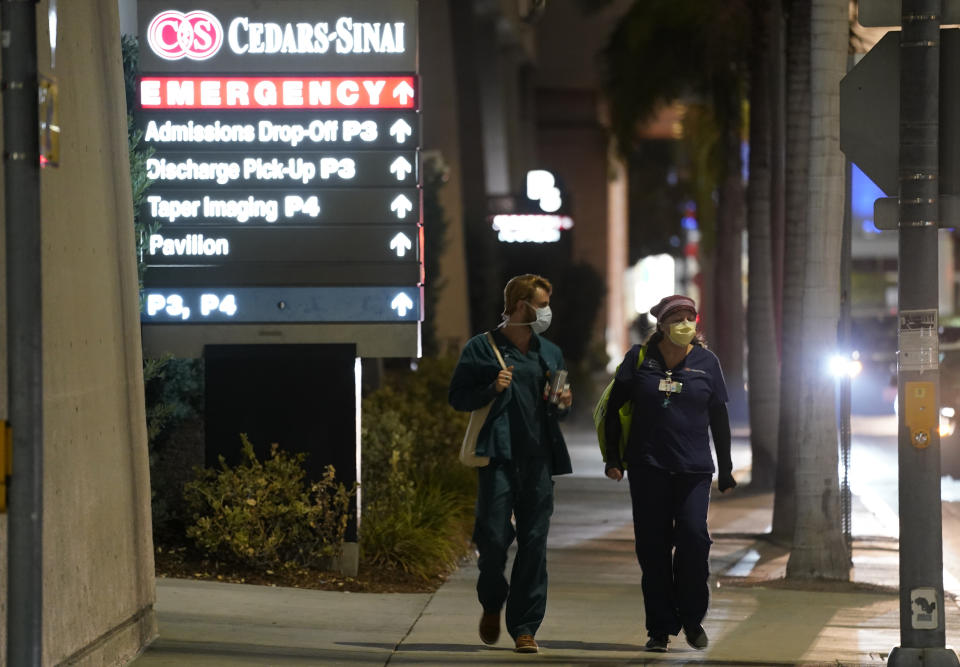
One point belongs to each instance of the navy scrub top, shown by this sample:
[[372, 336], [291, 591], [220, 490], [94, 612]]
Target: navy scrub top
[[672, 434]]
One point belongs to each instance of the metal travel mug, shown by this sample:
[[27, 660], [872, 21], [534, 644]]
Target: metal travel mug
[[557, 385]]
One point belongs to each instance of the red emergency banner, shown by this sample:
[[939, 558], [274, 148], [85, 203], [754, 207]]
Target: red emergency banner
[[364, 92]]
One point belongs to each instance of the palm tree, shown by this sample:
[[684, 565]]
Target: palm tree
[[819, 549], [665, 50], [797, 169], [762, 358], [700, 49]]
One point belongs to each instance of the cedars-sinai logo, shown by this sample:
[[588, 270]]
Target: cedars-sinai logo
[[196, 35]]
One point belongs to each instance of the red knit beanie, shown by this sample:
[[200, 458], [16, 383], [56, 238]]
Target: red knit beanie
[[671, 304]]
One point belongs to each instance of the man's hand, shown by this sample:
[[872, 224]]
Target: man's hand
[[725, 481], [504, 378], [566, 398], [614, 473]]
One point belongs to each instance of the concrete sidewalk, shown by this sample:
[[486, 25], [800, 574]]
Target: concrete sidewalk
[[594, 613]]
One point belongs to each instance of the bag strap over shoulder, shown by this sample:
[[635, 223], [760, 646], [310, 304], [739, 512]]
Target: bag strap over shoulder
[[496, 350]]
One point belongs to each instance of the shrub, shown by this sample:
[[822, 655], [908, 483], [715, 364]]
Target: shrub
[[265, 515], [174, 407], [417, 498], [418, 399], [174, 393], [424, 537]]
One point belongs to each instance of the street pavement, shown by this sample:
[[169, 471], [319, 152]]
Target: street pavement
[[595, 610]]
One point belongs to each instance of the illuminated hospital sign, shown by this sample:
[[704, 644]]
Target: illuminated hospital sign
[[277, 92], [198, 35], [283, 162], [280, 36], [360, 130]]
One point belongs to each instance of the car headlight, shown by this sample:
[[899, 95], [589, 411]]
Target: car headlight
[[842, 366], [947, 422]]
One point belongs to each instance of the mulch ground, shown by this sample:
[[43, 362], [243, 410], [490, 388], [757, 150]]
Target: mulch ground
[[183, 563]]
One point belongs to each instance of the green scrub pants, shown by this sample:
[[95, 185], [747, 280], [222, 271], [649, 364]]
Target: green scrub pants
[[524, 489]]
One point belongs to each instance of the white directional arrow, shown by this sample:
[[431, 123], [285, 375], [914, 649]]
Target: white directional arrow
[[401, 243], [403, 92], [401, 130], [401, 303], [401, 167], [402, 206]]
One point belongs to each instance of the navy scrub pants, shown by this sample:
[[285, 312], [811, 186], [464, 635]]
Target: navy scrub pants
[[524, 489], [673, 546]]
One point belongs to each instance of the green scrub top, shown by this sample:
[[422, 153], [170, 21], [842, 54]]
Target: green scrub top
[[527, 409]]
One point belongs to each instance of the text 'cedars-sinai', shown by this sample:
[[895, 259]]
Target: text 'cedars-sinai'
[[199, 35]]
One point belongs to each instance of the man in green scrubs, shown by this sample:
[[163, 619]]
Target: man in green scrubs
[[526, 448]]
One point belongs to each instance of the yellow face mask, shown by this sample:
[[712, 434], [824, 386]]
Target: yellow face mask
[[681, 333]]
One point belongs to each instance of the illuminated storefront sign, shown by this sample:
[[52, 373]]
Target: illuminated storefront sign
[[520, 228], [284, 161], [541, 188], [537, 217]]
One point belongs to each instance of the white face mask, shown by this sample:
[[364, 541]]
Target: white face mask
[[540, 324], [544, 317]]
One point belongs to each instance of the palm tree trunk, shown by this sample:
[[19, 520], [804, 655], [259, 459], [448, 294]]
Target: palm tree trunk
[[777, 78], [728, 328], [797, 177], [819, 549], [762, 361]]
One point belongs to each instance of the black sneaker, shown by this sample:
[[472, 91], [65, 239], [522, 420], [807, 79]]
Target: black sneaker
[[657, 643], [696, 637]]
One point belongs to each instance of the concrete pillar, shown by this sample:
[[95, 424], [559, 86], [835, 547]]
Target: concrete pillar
[[440, 134], [98, 551]]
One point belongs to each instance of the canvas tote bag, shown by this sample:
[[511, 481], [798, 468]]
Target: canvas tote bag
[[468, 449]]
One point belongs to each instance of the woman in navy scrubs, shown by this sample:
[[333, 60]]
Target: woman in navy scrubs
[[677, 392]]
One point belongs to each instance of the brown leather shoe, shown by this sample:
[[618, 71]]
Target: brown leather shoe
[[526, 644], [490, 628]]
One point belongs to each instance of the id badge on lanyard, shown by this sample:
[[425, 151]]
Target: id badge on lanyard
[[669, 386]]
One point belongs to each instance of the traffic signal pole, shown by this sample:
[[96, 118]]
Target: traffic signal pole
[[21, 176], [922, 622]]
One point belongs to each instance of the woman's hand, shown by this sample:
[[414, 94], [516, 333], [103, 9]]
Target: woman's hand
[[725, 481], [614, 473], [566, 398], [504, 378]]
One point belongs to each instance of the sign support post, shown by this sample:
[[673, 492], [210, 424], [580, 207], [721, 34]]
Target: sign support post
[[922, 622], [21, 157], [922, 168]]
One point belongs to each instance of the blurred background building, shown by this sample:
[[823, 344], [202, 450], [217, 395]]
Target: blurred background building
[[511, 90]]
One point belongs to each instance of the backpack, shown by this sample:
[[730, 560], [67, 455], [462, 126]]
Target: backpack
[[626, 415]]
